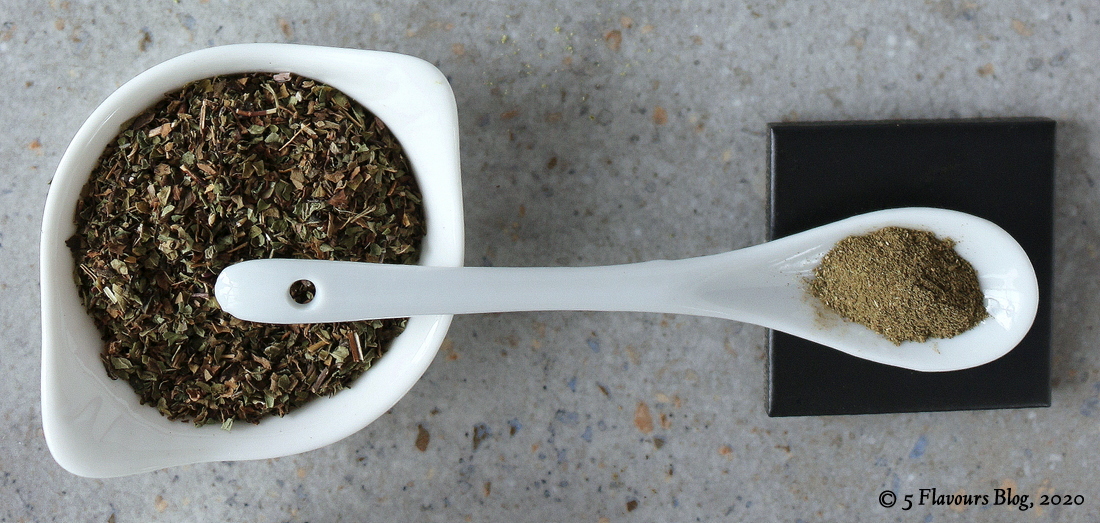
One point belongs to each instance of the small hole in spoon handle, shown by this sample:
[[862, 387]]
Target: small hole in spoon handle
[[302, 291]]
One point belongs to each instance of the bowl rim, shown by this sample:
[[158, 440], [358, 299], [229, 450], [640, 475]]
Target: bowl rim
[[94, 426]]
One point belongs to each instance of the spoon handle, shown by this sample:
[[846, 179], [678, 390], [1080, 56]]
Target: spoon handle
[[258, 290]]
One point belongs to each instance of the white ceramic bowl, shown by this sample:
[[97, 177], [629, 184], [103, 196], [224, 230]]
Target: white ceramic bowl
[[94, 426]]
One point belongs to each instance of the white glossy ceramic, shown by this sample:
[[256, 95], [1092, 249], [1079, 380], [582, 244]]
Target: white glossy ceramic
[[764, 285], [94, 426]]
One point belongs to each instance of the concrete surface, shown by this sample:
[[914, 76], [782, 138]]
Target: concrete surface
[[597, 132]]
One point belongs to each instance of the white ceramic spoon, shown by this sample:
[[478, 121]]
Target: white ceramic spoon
[[763, 285]]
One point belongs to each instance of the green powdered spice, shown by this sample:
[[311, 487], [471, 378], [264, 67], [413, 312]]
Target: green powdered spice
[[904, 284], [229, 169]]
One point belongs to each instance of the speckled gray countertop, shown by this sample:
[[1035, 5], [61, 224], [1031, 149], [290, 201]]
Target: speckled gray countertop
[[592, 133]]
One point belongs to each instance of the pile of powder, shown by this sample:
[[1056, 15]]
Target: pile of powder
[[904, 284]]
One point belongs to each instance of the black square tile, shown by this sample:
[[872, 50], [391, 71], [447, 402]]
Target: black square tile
[[998, 169]]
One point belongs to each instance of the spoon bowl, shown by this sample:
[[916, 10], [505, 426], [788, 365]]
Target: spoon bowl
[[763, 285], [94, 426]]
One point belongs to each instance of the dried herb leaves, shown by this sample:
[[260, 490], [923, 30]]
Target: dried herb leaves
[[229, 169], [904, 284]]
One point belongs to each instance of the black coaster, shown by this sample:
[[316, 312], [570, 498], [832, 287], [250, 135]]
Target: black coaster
[[1001, 170]]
